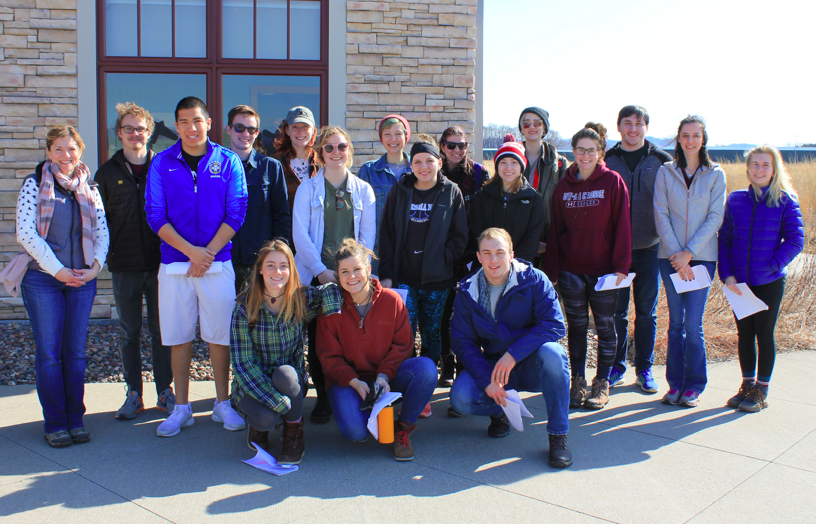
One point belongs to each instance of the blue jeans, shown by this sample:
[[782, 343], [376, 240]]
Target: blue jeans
[[546, 371], [59, 320], [128, 289], [645, 287], [425, 310], [415, 379], [686, 354]]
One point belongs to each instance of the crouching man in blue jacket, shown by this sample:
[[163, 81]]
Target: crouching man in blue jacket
[[505, 330]]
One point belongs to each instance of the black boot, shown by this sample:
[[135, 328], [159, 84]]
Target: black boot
[[448, 365], [322, 410], [560, 454]]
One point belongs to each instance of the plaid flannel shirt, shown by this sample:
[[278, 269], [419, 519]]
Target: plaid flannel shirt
[[257, 353]]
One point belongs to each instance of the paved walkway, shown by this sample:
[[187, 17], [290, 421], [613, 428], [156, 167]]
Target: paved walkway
[[636, 461]]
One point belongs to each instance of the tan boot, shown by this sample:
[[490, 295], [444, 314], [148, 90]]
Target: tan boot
[[403, 450], [293, 446], [599, 395]]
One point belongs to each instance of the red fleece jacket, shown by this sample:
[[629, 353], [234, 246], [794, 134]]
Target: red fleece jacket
[[590, 230], [348, 351]]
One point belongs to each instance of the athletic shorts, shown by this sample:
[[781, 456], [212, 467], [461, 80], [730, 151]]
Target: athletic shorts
[[184, 300]]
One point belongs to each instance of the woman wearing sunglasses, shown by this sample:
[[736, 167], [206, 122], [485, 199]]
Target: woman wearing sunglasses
[[424, 231], [470, 176], [590, 237], [331, 206]]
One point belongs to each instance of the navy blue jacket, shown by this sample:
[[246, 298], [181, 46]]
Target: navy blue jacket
[[756, 241], [527, 316], [267, 214]]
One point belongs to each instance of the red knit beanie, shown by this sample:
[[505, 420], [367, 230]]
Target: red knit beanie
[[513, 150], [401, 119]]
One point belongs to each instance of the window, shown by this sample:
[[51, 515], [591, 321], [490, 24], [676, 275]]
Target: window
[[269, 54]]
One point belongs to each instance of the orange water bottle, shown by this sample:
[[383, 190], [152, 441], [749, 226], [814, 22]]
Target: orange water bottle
[[385, 422]]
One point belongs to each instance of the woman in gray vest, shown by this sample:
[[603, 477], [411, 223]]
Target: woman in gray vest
[[61, 226]]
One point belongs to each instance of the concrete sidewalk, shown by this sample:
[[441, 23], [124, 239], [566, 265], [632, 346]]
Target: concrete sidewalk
[[636, 461]]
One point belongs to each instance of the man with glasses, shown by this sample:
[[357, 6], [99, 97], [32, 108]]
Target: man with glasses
[[637, 160], [268, 209], [133, 258], [545, 167]]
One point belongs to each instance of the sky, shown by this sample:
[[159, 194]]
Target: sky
[[747, 67]]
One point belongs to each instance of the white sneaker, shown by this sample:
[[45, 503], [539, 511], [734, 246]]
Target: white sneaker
[[223, 412], [181, 417]]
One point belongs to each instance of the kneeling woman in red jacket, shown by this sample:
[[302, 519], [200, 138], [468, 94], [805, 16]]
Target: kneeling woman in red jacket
[[591, 234], [371, 341]]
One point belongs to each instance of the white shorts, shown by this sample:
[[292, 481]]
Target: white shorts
[[184, 300]]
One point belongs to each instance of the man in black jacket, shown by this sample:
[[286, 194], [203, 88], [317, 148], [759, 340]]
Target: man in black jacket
[[134, 257], [268, 206]]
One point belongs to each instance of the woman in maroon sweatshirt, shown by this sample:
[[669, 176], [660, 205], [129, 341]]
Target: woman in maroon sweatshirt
[[591, 237], [369, 345]]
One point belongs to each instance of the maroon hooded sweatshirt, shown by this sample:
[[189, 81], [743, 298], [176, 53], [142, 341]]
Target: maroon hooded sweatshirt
[[590, 230]]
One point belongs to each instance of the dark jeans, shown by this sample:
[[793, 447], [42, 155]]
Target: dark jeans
[[286, 382], [415, 379], [59, 317], [545, 370], [760, 327], [578, 293], [645, 288], [128, 289], [315, 367]]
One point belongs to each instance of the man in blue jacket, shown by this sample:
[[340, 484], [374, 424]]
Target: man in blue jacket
[[505, 330], [268, 205], [196, 200]]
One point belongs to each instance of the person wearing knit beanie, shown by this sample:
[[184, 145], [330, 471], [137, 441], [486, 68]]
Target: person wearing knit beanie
[[514, 150], [540, 113]]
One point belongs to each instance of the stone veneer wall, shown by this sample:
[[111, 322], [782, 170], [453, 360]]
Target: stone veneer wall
[[413, 58], [38, 87]]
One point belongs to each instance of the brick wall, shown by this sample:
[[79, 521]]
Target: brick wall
[[413, 58], [38, 86]]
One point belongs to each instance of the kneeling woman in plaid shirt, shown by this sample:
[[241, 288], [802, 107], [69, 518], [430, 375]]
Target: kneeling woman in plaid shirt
[[266, 346]]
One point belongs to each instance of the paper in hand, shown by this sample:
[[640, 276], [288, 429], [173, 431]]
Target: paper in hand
[[515, 409], [266, 462], [385, 400], [701, 280], [746, 304], [181, 268], [607, 282]]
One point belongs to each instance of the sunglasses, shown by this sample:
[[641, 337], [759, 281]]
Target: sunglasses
[[528, 124], [129, 130], [328, 148], [450, 146], [339, 203], [240, 128]]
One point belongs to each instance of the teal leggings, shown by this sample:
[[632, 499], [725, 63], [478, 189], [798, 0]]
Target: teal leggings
[[425, 309]]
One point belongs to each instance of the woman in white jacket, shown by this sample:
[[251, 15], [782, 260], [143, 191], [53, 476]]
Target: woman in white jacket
[[689, 204], [331, 206]]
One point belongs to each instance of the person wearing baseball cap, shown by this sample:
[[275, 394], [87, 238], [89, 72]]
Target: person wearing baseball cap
[[293, 149]]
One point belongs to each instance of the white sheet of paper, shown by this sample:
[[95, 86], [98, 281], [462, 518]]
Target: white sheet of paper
[[386, 400], [469, 265], [181, 268], [403, 293], [607, 282], [701, 280], [746, 304], [266, 462], [515, 409]]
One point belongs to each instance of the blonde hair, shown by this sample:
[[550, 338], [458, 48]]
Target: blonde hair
[[780, 182], [294, 305], [495, 233], [323, 137], [129, 108], [57, 132]]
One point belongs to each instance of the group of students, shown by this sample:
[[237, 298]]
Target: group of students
[[271, 254]]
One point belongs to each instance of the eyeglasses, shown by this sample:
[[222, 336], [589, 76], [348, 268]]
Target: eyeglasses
[[455, 145], [339, 203], [329, 148], [534, 123], [240, 128], [582, 151], [129, 130]]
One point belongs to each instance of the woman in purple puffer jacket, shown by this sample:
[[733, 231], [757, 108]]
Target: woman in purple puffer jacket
[[761, 234]]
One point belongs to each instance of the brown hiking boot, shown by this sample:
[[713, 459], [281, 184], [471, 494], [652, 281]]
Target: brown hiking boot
[[741, 395], [261, 438], [756, 401], [599, 395], [293, 446], [578, 392], [403, 450]]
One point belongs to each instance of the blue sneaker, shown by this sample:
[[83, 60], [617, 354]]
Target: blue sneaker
[[616, 377], [647, 382]]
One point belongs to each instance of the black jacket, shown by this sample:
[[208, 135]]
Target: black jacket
[[133, 245], [447, 234], [521, 215], [267, 214]]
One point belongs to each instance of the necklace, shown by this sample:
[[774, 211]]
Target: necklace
[[272, 299], [367, 304]]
